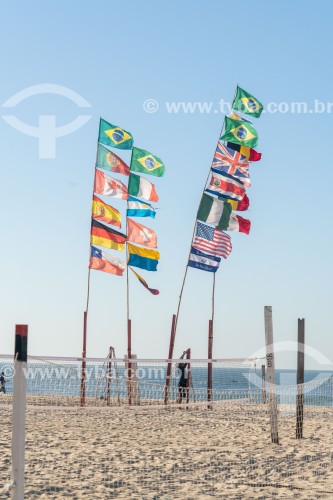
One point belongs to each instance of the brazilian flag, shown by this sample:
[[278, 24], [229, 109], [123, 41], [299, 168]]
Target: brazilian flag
[[240, 132], [246, 103], [145, 162], [114, 136]]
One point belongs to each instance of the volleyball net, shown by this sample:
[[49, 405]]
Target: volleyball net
[[104, 447]]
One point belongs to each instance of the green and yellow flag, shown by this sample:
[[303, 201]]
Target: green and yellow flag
[[114, 136], [240, 132], [246, 103], [145, 162]]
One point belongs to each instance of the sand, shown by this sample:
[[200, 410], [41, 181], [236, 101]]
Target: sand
[[154, 453]]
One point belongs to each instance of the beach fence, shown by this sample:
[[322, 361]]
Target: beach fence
[[187, 448]]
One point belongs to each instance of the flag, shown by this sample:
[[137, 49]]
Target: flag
[[139, 186], [137, 233], [246, 103], [230, 167], [235, 116], [137, 208], [143, 258], [102, 261], [240, 206], [103, 212], [237, 223], [145, 162], [212, 241], [144, 283], [214, 211], [225, 156], [114, 136], [240, 132], [104, 236], [104, 184], [225, 187], [203, 261], [249, 153], [109, 161]]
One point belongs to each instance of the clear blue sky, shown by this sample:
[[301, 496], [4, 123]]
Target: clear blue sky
[[117, 55]]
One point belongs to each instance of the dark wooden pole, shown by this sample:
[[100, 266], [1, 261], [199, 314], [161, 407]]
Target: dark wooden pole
[[271, 374], [129, 364], [108, 374], [168, 375], [210, 365], [263, 384], [84, 354], [300, 380]]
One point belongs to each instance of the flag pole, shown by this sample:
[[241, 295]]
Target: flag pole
[[129, 323], [85, 314], [210, 350]]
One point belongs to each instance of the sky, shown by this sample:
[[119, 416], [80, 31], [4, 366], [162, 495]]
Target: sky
[[117, 58]]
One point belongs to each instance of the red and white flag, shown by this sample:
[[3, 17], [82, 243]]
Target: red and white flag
[[137, 233], [212, 241], [108, 186]]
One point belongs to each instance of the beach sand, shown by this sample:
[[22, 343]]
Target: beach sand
[[157, 453]]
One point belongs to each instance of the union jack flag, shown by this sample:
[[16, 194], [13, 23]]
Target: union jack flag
[[225, 156], [231, 163]]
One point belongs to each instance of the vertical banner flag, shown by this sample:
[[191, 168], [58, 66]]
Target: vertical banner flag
[[109, 161], [116, 137], [144, 283], [145, 162]]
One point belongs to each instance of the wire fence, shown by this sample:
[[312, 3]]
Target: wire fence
[[185, 449]]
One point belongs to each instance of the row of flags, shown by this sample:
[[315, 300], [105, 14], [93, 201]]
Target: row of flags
[[228, 182], [137, 192]]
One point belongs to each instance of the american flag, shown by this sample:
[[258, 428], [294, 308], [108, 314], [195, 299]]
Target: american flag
[[212, 241]]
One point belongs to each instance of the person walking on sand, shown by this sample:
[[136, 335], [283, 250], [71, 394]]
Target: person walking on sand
[[2, 383]]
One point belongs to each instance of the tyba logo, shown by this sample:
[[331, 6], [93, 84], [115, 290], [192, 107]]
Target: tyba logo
[[47, 132]]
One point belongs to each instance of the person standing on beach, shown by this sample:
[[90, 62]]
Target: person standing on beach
[[182, 384], [2, 383]]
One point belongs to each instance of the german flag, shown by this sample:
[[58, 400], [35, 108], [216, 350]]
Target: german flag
[[104, 236]]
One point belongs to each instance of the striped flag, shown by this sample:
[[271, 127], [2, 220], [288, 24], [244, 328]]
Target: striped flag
[[212, 241], [225, 187]]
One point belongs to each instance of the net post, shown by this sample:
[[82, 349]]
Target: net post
[[188, 383], [129, 365], [168, 375], [300, 380], [210, 365], [271, 374], [84, 355], [263, 384], [19, 409]]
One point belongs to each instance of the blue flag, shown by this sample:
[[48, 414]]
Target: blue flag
[[137, 208], [203, 261]]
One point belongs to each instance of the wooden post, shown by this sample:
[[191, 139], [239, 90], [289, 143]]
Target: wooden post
[[188, 384], [210, 365], [19, 409], [169, 367], [300, 380], [84, 355], [108, 374], [263, 384], [129, 366], [271, 374]]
